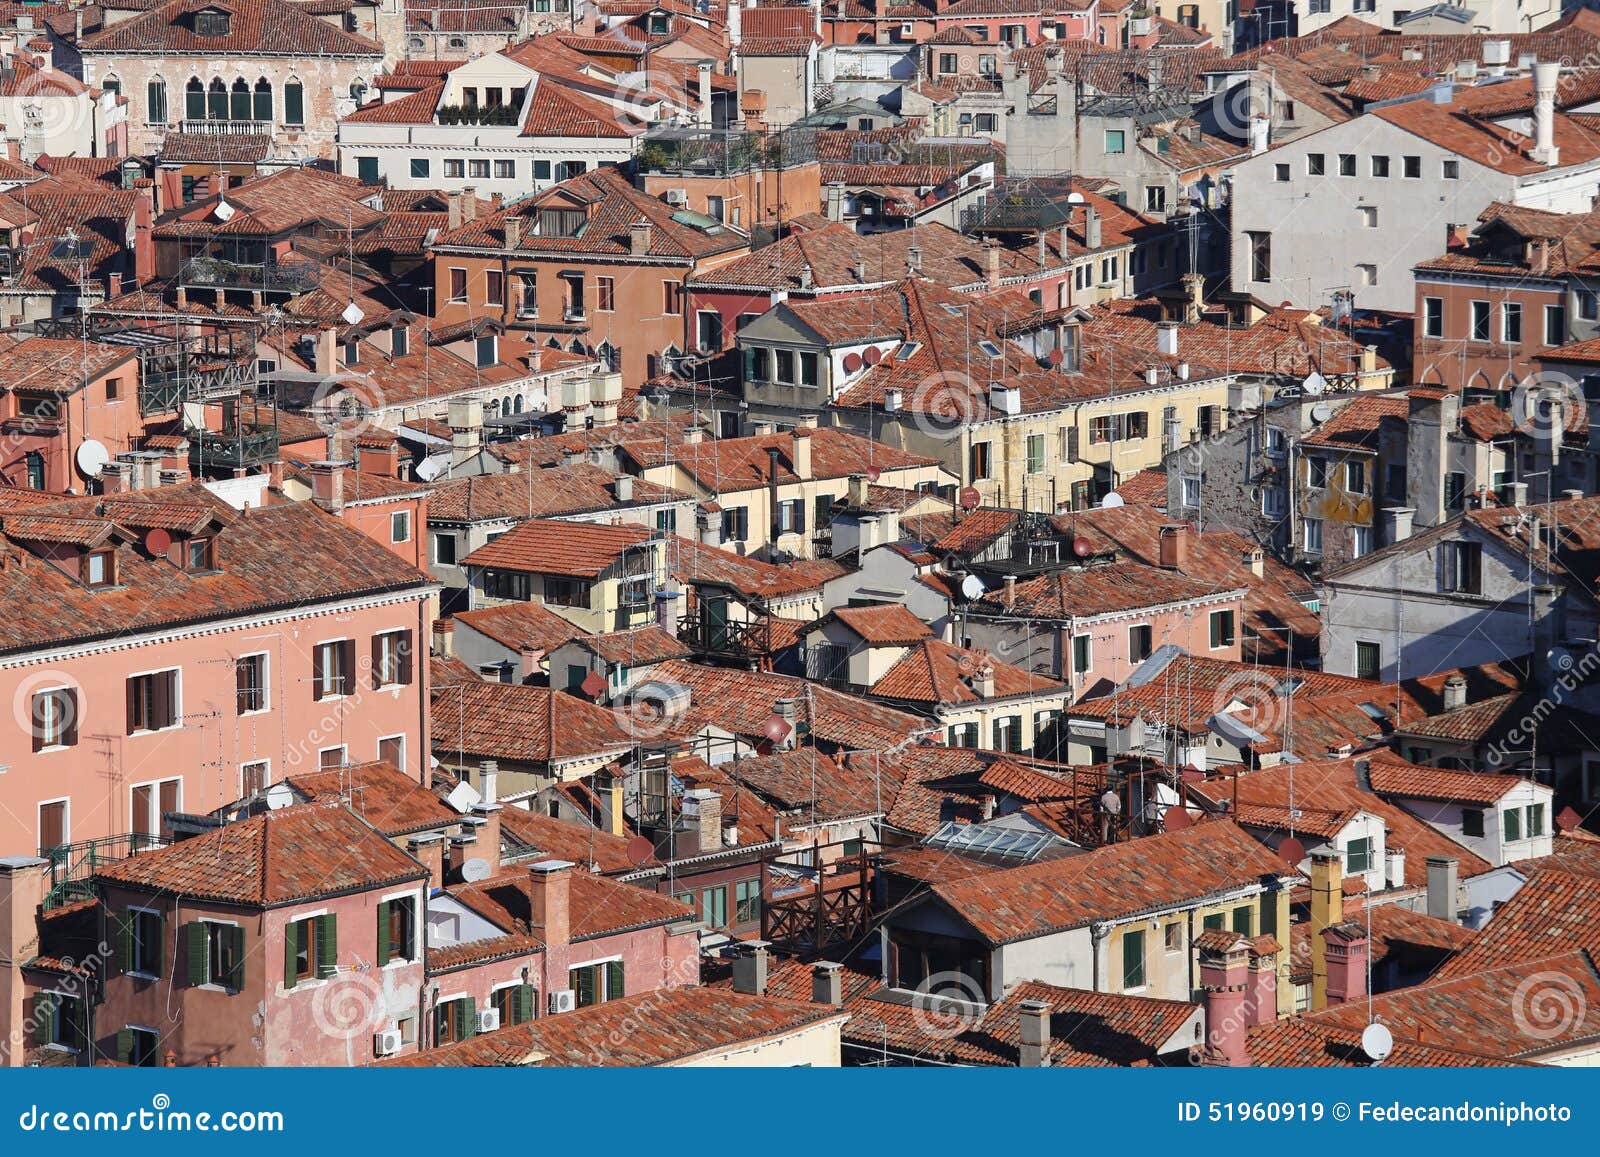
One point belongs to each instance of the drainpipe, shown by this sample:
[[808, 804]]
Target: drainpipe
[[772, 496]]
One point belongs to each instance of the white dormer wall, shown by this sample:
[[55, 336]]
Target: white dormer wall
[[490, 71], [1448, 819], [840, 379]]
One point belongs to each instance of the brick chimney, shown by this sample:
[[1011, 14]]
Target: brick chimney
[[24, 880], [511, 224], [428, 849], [379, 457], [707, 813], [1174, 547], [1345, 944], [1033, 1024], [639, 238], [144, 246], [550, 901], [750, 968], [991, 264], [1262, 1000], [327, 485], [1327, 909], [327, 358]]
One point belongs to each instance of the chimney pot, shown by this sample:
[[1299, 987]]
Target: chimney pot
[[827, 983]]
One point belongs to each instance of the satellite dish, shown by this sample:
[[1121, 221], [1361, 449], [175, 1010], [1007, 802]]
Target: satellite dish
[[1082, 547], [1176, 819], [475, 869], [852, 363], [972, 587], [640, 850], [1111, 501], [1112, 802], [352, 314], [1054, 357], [873, 474], [1377, 1041], [776, 728], [1321, 412], [1292, 851], [279, 795], [593, 684], [872, 355], [224, 211], [92, 457], [157, 542], [969, 498], [1314, 383]]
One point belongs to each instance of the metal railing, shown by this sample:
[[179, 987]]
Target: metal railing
[[215, 272], [226, 128], [72, 866], [236, 448]]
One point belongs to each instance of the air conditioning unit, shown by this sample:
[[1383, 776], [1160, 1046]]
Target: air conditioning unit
[[387, 1042], [677, 196], [488, 1019], [563, 1000]]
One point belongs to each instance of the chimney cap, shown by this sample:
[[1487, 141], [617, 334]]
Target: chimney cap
[[550, 867]]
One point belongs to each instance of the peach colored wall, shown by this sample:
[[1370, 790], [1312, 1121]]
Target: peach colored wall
[[211, 742], [89, 413], [1190, 630]]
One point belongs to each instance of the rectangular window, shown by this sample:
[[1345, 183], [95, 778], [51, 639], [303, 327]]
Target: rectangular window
[[1139, 639], [1450, 170], [1480, 321], [458, 284], [153, 701], [213, 954], [1360, 541], [1535, 821], [1355, 477], [1222, 632], [1035, 463], [1082, 654], [391, 659], [310, 949], [1433, 317], [250, 682], [444, 549], [333, 669], [784, 363], [1316, 164], [141, 935], [1369, 216], [672, 297], [1116, 141], [978, 466], [515, 1003], [505, 170], [1243, 920], [455, 167], [1411, 168], [1358, 856], [1316, 472], [541, 170], [1461, 567], [1312, 539], [1260, 256], [1380, 166], [54, 718], [400, 526], [596, 983], [605, 294], [419, 168], [964, 735], [1008, 733], [747, 902], [494, 287], [1132, 959], [1455, 490], [478, 168], [1511, 323], [1347, 164], [1472, 821], [455, 1020], [1369, 660], [1555, 325], [1511, 818], [1280, 172], [253, 778], [397, 930]]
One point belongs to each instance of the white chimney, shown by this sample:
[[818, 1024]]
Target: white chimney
[[1546, 75], [1167, 338]]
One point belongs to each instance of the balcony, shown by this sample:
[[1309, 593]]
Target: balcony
[[72, 866], [227, 128], [232, 449], [216, 273], [728, 638], [574, 313]]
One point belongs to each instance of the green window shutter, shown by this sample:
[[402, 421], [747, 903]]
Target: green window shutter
[[44, 1008], [327, 945], [235, 937], [291, 948], [521, 1003], [583, 985], [125, 1045], [158, 953], [614, 982], [193, 936], [383, 933], [466, 1018]]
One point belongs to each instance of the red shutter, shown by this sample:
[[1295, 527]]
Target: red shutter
[[377, 660], [319, 671], [133, 705], [407, 646], [69, 697], [347, 667]]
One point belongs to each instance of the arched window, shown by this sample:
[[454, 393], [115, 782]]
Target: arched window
[[217, 101], [516, 404], [492, 409], [112, 84], [358, 90], [458, 42], [294, 103], [194, 100], [239, 108], [263, 100], [155, 101]]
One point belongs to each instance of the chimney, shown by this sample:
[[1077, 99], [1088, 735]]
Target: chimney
[[1442, 901], [489, 781], [750, 967], [1255, 560], [469, 203], [453, 201], [444, 642], [549, 900], [991, 264], [1261, 1003], [1546, 76], [24, 880], [1174, 547], [144, 246], [703, 113], [327, 485], [835, 203], [428, 849], [488, 845], [1091, 228], [1346, 947], [465, 418], [616, 816], [1033, 1024], [1224, 976], [1397, 523], [1167, 338], [622, 488], [827, 983], [787, 710], [379, 457], [800, 454], [639, 238], [1516, 493], [327, 358], [705, 807], [1327, 909], [983, 683], [1194, 285], [511, 225], [1455, 692], [1010, 591]]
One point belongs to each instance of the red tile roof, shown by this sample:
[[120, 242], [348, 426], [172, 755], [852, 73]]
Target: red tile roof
[[536, 725], [279, 857], [559, 491], [725, 465], [258, 28], [581, 549], [935, 672], [1413, 781], [381, 794], [599, 906], [892, 624]]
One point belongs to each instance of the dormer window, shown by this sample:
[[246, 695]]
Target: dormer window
[[213, 22], [200, 554], [352, 353], [399, 341], [488, 351], [561, 222], [100, 569], [660, 23]]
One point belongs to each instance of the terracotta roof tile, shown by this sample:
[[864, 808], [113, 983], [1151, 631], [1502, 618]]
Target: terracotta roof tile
[[536, 725], [581, 549]]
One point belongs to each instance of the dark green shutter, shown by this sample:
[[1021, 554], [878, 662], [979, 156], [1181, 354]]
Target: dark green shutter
[[235, 978], [158, 953], [125, 1045], [44, 1007], [614, 981], [466, 1010], [291, 949], [327, 945], [193, 936], [583, 986], [521, 1003], [384, 948]]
